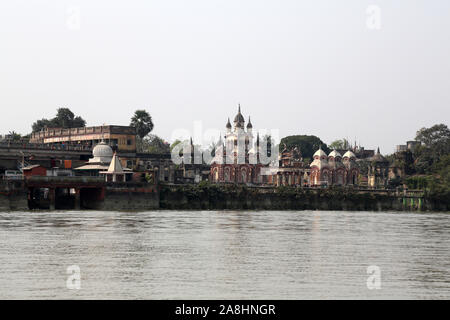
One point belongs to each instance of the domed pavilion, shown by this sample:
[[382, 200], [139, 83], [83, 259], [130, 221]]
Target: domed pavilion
[[334, 169], [101, 161]]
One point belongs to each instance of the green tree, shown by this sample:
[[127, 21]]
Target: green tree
[[14, 136], [307, 145], [342, 144], [41, 125], [435, 143], [152, 144], [143, 123], [64, 118], [442, 167], [437, 137], [432, 161]]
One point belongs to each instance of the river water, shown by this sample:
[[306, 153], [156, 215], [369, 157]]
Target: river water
[[225, 255]]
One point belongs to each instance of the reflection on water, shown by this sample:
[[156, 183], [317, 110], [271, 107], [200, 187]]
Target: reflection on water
[[224, 254]]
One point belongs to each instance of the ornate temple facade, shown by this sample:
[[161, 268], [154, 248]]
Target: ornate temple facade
[[105, 161], [334, 169], [237, 159], [378, 173], [290, 170]]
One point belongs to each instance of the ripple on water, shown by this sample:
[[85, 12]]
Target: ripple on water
[[224, 254]]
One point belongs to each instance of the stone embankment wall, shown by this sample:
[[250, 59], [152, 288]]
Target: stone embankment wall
[[124, 196], [242, 198], [120, 198], [13, 196]]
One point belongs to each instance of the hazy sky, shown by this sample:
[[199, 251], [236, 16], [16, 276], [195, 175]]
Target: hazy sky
[[304, 67]]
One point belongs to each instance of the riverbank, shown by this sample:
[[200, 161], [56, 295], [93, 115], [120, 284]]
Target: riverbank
[[93, 194], [239, 197]]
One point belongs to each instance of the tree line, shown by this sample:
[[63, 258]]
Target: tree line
[[141, 120], [431, 163], [428, 166]]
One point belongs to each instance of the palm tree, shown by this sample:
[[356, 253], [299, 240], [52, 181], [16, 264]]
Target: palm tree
[[14, 136], [143, 123]]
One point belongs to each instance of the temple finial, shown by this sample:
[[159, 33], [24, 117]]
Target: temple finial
[[228, 125]]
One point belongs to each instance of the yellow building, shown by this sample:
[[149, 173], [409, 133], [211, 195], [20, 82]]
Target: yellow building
[[121, 137]]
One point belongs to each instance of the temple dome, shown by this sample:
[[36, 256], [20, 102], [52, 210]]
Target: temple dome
[[320, 153], [102, 153], [239, 117], [378, 157], [334, 154], [249, 124], [228, 125], [349, 154], [319, 163]]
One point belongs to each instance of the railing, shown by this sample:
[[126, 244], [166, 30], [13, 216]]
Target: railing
[[130, 184], [69, 147], [11, 178], [84, 130], [351, 189], [72, 179], [42, 146], [67, 132], [21, 165]]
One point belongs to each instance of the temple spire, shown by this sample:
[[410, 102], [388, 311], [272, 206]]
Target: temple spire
[[249, 124], [228, 125]]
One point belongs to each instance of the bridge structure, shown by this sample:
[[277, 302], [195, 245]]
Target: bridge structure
[[65, 192], [13, 154], [88, 193]]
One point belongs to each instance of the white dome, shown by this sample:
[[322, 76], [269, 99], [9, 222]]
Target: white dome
[[334, 154], [320, 153], [102, 153], [349, 154], [102, 150], [319, 163]]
